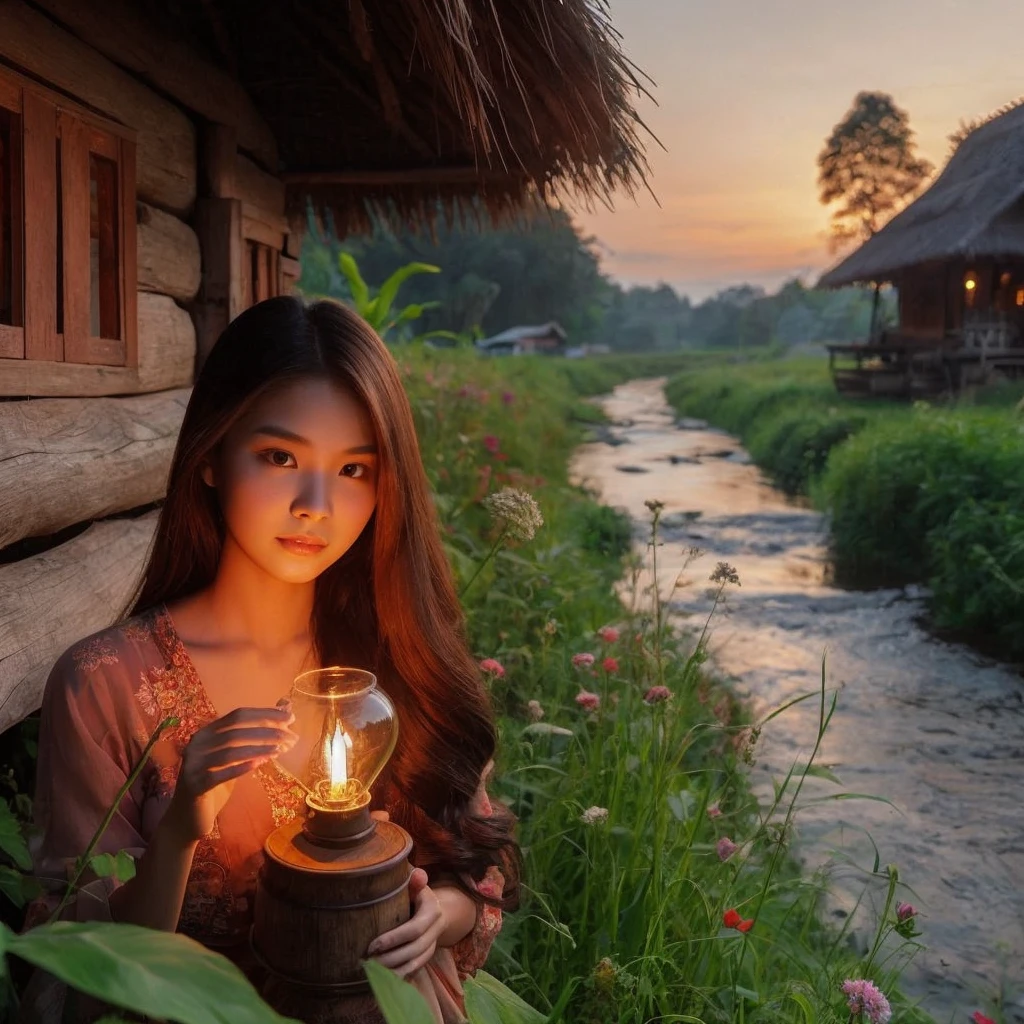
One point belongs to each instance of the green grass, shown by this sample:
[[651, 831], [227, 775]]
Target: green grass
[[623, 917], [925, 493]]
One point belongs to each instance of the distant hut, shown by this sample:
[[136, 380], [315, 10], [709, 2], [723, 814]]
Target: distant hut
[[156, 164], [956, 256], [547, 339]]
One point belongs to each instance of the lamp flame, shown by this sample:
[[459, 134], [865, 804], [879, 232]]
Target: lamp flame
[[336, 753]]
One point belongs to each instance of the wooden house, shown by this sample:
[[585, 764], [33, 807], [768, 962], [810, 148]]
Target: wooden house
[[156, 164], [547, 339], [956, 257]]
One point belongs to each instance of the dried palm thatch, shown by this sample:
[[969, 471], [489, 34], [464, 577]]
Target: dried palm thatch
[[411, 103], [974, 208]]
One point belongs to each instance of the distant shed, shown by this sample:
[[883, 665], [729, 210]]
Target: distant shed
[[546, 339]]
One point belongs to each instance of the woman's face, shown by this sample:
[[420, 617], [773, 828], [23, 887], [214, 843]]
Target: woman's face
[[296, 478]]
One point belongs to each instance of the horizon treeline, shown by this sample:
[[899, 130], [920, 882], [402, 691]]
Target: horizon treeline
[[543, 268]]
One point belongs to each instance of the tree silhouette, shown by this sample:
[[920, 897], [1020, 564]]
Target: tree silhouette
[[869, 166]]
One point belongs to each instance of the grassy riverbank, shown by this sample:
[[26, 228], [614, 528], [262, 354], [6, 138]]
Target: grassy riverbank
[[926, 493], [655, 888]]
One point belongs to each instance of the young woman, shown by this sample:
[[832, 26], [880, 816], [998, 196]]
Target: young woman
[[298, 531]]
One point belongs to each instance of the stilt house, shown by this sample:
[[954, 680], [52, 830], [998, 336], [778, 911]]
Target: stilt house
[[156, 164], [956, 256]]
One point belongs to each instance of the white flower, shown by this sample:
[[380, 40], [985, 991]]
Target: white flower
[[517, 511], [534, 710], [594, 815]]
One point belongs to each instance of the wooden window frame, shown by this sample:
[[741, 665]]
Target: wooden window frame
[[55, 266]]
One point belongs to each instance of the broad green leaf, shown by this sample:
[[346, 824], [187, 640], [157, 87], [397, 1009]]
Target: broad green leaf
[[389, 289], [360, 293], [120, 865], [157, 974], [399, 1002], [488, 1001], [18, 888], [821, 772], [12, 842]]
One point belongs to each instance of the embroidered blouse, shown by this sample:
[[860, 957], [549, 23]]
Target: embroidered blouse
[[103, 700]]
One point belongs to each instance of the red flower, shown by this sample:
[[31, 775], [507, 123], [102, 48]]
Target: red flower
[[979, 1018], [732, 919], [610, 665], [492, 444], [492, 667]]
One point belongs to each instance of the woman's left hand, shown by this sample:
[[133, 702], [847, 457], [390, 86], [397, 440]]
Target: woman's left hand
[[410, 946]]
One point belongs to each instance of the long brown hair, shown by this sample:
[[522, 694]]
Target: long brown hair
[[388, 604]]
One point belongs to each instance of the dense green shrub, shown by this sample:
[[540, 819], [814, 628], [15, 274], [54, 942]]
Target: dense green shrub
[[978, 573]]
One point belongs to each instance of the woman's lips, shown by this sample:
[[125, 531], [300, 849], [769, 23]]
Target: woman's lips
[[301, 547]]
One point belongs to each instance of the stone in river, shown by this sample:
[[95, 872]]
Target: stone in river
[[677, 459], [689, 424], [719, 453], [632, 469]]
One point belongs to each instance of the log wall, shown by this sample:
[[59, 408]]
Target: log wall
[[83, 458], [51, 601]]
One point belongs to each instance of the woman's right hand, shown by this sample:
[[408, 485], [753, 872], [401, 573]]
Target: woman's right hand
[[219, 754]]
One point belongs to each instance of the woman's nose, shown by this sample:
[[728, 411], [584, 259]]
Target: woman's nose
[[313, 501]]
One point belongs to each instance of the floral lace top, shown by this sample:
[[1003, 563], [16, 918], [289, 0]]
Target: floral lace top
[[104, 698]]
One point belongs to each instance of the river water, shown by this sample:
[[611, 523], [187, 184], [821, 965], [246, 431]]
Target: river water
[[933, 727]]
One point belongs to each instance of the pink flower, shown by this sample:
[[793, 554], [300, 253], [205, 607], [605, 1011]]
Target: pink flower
[[584, 660], [726, 848], [492, 444], [610, 665], [589, 701], [609, 634], [863, 997], [905, 911], [657, 695], [979, 1018], [714, 811], [732, 919], [507, 397], [492, 667]]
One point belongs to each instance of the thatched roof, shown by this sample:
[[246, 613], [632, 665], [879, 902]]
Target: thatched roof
[[415, 101], [974, 208]]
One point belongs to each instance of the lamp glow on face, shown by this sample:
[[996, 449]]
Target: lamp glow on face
[[347, 730]]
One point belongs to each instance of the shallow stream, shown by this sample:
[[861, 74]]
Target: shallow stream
[[934, 727]]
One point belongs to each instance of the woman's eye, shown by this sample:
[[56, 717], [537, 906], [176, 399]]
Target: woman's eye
[[277, 457], [354, 470]]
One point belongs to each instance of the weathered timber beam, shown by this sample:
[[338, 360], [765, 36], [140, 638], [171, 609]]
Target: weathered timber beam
[[83, 458], [52, 600], [166, 171], [120, 31], [167, 347], [169, 261], [465, 175]]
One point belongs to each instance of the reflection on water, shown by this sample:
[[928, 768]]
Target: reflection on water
[[933, 727]]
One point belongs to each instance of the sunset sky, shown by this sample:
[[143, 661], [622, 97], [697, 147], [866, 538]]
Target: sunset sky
[[747, 91]]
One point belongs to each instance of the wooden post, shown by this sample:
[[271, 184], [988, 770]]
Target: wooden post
[[220, 299]]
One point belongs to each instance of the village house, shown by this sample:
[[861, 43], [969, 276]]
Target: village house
[[956, 258], [156, 165], [548, 339]]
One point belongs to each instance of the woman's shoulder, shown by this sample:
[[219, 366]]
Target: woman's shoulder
[[122, 649]]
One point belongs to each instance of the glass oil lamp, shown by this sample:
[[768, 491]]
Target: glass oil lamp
[[334, 880]]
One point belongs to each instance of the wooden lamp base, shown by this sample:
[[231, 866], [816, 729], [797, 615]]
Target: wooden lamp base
[[328, 887]]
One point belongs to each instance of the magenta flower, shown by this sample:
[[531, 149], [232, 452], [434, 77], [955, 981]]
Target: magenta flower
[[610, 665], [657, 695], [714, 811], [979, 1018], [905, 911], [609, 634], [863, 997], [507, 397], [492, 444], [584, 660], [492, 667], [726, 848], [587, 700]]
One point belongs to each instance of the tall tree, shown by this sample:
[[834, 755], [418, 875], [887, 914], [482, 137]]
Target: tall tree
[[870, 167]]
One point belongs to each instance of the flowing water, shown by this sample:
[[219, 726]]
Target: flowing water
[[933, 727]]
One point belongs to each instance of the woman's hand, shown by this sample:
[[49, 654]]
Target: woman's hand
[[217, 755], [410, 946]]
